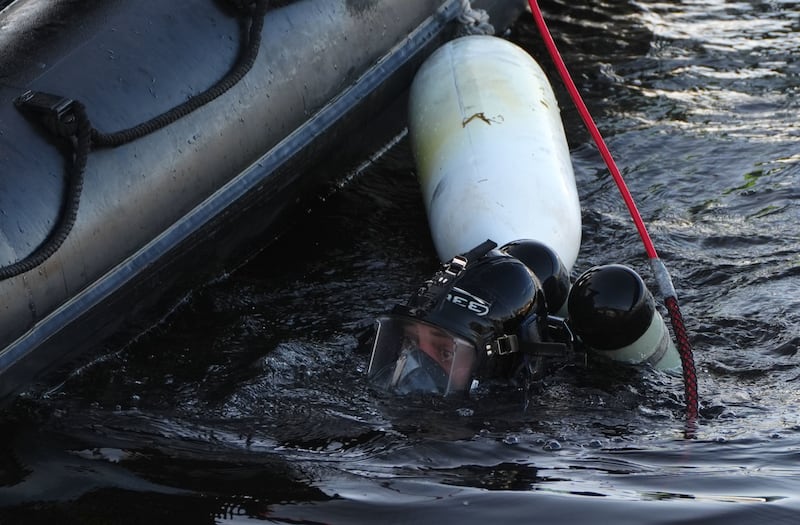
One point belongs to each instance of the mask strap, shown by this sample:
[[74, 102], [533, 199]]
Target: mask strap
[[440, 285], [531, 343]]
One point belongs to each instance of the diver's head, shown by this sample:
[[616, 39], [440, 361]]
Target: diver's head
[[468, 322]]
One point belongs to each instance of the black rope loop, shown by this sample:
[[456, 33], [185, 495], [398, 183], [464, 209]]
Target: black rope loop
[[68, 119], [78, 122], [243, 65]]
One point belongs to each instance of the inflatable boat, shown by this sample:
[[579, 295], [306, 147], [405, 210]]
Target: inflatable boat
[[148, 146]]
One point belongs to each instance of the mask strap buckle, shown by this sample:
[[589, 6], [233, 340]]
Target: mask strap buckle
[[457, 265], [504, 345], [440, 285]]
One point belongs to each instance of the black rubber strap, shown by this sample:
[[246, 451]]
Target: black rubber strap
[[443, 281]]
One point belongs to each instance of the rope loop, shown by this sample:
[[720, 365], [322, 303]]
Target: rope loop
[[474, 21], [243, 65], [69, 122], [67, 119]]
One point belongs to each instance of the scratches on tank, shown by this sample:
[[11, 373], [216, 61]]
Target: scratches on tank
[[482, 116]]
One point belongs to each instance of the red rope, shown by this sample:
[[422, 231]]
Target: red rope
[[664, 281], [687, 358], [589, 122]]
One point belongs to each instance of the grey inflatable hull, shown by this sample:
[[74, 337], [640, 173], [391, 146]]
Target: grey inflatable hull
[[212, 186]]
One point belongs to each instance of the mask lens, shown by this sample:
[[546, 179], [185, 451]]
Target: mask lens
[[414, 356]]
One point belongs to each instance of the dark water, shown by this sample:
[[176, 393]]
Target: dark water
[[250, 402]]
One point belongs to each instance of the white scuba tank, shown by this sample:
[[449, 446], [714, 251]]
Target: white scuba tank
[[493, 163], [492, 158]]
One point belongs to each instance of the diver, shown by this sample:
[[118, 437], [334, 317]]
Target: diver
[[503, 313]]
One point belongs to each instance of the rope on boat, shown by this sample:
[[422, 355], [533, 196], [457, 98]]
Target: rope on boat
[[244, 63], [68, 119], [474, 21], [663, 279], [77, 128]]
